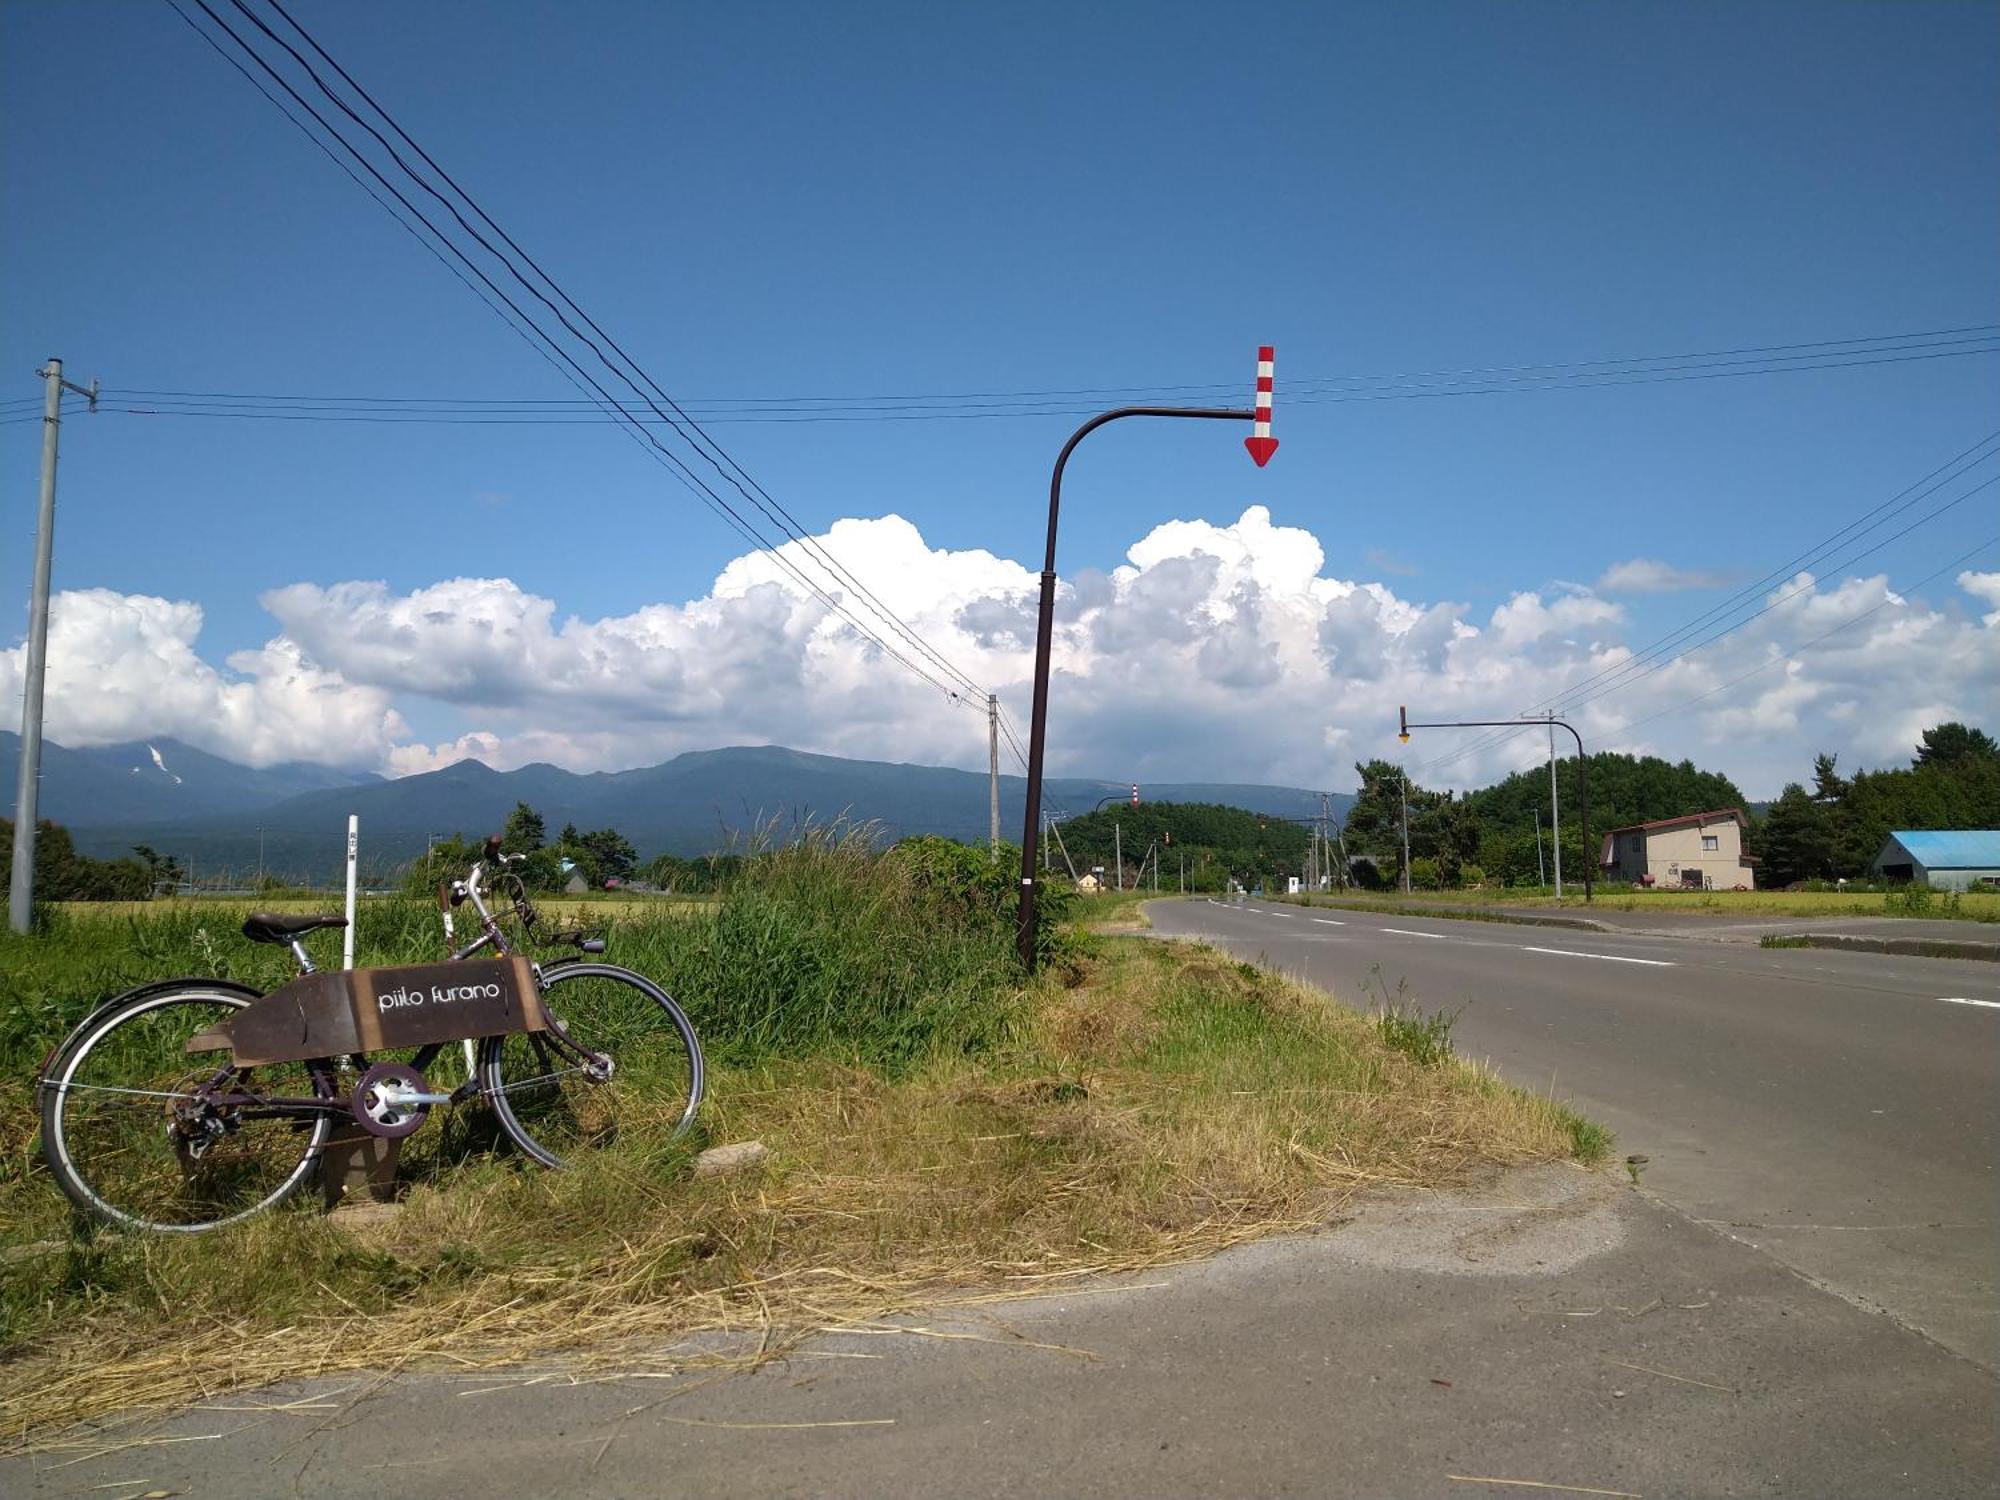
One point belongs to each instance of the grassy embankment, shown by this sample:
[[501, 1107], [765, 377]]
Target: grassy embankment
[[940, 1133], [1971, 906]]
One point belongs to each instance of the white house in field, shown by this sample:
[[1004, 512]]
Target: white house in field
[[1699, 851]]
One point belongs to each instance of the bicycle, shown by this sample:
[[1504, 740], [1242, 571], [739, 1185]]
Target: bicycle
[[139, 1131]]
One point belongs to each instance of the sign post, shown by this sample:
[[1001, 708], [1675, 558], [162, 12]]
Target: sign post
[[353, 848], [1262, 445]]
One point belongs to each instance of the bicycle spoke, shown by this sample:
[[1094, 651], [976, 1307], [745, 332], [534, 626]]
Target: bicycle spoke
[[135, 1135]]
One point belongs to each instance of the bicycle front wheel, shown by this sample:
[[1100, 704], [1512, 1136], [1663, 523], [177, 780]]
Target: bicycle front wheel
[[619, 1063], [132, 1130]]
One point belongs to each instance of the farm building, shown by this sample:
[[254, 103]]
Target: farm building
[[1950, 860], [1698, 851]]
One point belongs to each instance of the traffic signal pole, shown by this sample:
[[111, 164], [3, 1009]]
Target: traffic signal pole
[[1582, 768]]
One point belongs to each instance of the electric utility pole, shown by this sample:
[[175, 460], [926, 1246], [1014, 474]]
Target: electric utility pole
[[1118, 852], [21, 894], [993, 763]]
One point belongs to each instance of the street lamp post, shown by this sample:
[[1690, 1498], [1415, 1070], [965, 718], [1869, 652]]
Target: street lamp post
[[1024, 933], [1582, 766]]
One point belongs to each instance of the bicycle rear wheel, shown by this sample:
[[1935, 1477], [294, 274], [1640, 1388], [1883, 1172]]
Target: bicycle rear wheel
[[640, 1076], [128, 1135]]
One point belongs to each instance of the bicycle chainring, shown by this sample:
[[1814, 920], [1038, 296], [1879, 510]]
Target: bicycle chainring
[[377, 1107]]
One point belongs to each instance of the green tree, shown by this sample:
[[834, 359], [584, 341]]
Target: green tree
[[611, 852], [61, 874], [525, 832], [162, 870], [1797, 840], [1949, 744]]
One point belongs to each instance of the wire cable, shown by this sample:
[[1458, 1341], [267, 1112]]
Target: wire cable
[[724, 465], [554, 348], [1645, 662]]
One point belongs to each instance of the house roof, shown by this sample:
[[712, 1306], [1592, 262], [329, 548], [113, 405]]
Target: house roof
[[1953, 849], [1687, 820]]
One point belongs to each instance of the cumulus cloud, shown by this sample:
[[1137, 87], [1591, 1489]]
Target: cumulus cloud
[[1643, 575], [1984, 586], [124, 666], [1213, 652]]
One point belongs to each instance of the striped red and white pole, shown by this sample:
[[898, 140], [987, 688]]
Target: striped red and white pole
[[1261, 444]]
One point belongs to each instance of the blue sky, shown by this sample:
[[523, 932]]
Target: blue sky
[[789, 199]]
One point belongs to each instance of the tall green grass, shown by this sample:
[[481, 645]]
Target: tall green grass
[[829, 946]]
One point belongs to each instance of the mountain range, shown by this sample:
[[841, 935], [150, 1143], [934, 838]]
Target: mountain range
[[291, 820]]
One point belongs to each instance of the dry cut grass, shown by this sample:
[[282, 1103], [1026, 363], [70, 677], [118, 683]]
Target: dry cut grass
[[1160, 1103]]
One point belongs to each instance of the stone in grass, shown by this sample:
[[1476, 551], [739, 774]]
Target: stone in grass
[[720, 1161]]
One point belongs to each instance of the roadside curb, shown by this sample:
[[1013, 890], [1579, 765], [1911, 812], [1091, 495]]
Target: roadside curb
[[1460, 914], [1908, 947]]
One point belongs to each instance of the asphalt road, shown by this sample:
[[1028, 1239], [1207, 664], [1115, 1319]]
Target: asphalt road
[[1837, 1110]]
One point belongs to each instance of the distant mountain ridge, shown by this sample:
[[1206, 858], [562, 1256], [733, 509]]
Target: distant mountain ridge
[[159, 780], [291, 820]]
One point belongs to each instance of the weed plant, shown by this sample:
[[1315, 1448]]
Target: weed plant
[[936, 1124]]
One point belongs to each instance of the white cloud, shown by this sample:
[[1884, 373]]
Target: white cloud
[[1984, 586], [124, 666], [1643, 575], [1213, 652]]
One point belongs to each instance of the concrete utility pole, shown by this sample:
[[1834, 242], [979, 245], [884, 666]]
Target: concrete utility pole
[[1118, 852], [21, 894], [993, 761]]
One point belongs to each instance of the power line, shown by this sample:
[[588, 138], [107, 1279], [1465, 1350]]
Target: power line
[[533, 411], [554, 352], [724, 465], [1889, 596], [1653, 657], [1984, 331]]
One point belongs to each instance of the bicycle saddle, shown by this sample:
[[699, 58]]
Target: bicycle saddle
[[276, 927]]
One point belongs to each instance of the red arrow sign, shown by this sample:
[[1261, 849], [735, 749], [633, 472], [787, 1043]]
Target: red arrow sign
[[1262, 445]]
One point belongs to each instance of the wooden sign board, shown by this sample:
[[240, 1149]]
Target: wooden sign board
[[376, 1010]]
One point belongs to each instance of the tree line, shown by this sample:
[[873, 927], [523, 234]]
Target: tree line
[[1500, 834], [62, 874], [1834, 831], [1210, 842]]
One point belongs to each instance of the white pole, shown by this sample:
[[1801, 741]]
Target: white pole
[[1555, 815], [353, 848]]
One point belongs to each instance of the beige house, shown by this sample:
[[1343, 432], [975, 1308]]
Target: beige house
[[1700, 851]]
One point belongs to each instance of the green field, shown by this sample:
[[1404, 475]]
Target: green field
[[939, 1129]]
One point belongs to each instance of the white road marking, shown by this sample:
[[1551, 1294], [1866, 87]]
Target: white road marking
[[1610, 958], [1961, 1000], [1329, 922], [1406, 932]]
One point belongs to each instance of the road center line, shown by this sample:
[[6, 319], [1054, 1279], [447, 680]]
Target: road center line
[[1961, 1000], [1406, 932], [1329, 922], [1610, 958]]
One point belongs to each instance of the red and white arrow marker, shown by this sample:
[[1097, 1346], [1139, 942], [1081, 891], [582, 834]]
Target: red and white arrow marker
[[1261, 444]]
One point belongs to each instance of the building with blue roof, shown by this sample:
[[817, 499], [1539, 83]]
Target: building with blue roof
[[1946, 859]]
